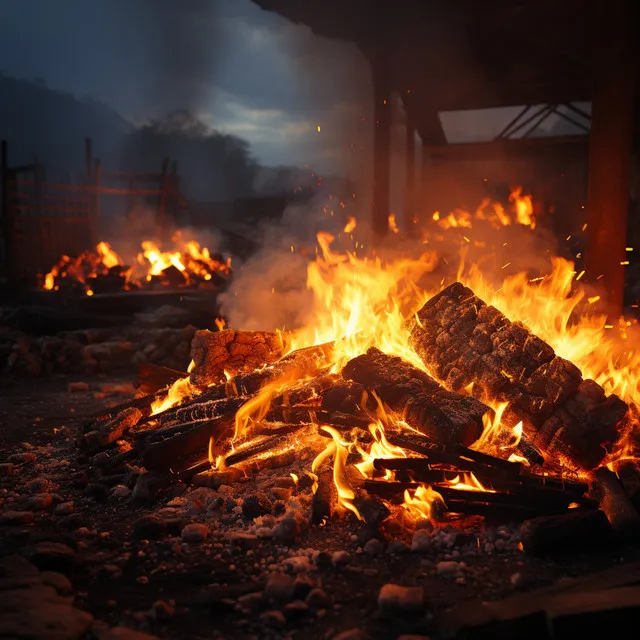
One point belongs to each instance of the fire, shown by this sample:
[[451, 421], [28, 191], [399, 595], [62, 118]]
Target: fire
[[393, 227], [423, 503], [193, 262], [179, 390], [351, 224]]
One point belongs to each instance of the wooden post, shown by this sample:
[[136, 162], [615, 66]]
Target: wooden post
[[88, 158], [6, 223], [610, 152], [162, 199], [410, 187], [95, 214], [381, 149]]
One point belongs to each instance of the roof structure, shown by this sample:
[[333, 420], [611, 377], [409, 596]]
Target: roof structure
[[447, 55]]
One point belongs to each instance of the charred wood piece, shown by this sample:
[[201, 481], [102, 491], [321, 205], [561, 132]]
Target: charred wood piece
[[214, 352], [325, 497], [108, 432], [462, 340], [616, 504], [576, 529], [449, 418]]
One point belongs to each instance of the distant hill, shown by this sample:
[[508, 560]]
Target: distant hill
[[52, 125]]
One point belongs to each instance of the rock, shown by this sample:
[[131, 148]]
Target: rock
[[161, 610], [251, 602], [340, 558], [273, 619], [148, 484], [297, 564], [40, 485], [64, 509], [421, 541], [7, 469], [58, 581], [256, 505], [517, 580], [54, 556], [244, 540], [398, 547], [149, 526], [40, 501], [124, 633], [395, 600], [374, 547], [17, 572], [296, 609], [195, 532], [318, 599], [120, 491], [447, 568], [286, 530], [352, 634], [77, 387], [13, 518], [279, 588], [302, 585]]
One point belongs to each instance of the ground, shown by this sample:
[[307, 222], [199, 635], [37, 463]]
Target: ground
[[162, 585]]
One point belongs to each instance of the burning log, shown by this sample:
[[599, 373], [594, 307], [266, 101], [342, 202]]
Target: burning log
[[445, 416], [325, 497], [575, 529], [616, 504], [463, 340], [232, 351], [110, 431]]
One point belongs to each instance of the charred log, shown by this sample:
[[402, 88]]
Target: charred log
[[575, 529], [442, 415], [462, 340], [616, 504], [325, 497], [108, 432]]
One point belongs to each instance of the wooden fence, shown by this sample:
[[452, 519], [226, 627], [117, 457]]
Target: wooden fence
[[42, 220]]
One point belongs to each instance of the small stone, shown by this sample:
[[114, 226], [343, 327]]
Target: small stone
[[302, 586], [374, 547], [161, 610], [142, 579], [149, 526], [54, 556], [148, 484], [195, 532], [274, 619], [77, 387], [7, 469], [256, 505], [58, 581], [398, 547], [296, 609], [517, 580], [120, 491], [340, 558], [447, 567], [488, 548], [64, 509], [40, 485], [286, 530], [352, 634], [279, 588], [396, 600], [318, 599], [421, 541], [13, 518], [244, 540], [251, 602], [297, 564]]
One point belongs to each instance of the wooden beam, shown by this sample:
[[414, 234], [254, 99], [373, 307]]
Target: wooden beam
[[382, 116], [610, 152]]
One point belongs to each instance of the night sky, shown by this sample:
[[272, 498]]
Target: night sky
[[241, 69]]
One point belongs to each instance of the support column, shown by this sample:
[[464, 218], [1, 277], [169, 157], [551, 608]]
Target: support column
[[381, 150], [610, 153], [410, 187]]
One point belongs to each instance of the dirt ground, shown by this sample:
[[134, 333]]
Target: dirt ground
[[161, 585]]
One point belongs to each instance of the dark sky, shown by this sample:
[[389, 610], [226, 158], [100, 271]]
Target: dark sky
[[242, 70]]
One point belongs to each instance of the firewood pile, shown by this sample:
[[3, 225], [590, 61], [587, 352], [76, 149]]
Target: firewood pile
[[385, 433]]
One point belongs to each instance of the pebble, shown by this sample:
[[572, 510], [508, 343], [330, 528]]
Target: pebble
[[297, 564], [516, 580], [256, 505], [120, 491], [244, 540], [447, 567], [161, 610], [396, 600], [148, 526], [195, 532], [54, 556], [58, 581], [7, 469], [286, 530], [302, 585], [16, 517], [352, 634], [251, 602], [64, 509], [374, 547], [318, 599], [398, 547], [296, 609], [279, 588], [77, 387], [421, 541], [340, 558], [273, 619]]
